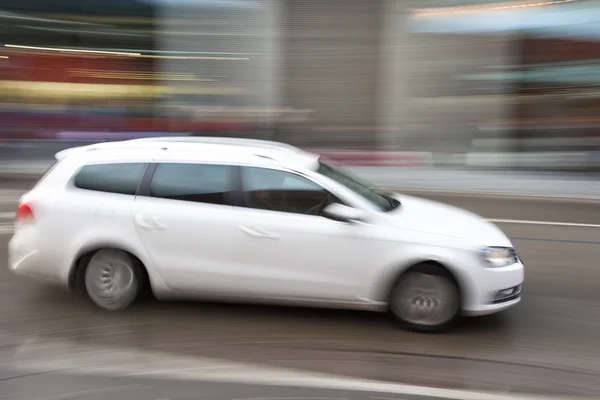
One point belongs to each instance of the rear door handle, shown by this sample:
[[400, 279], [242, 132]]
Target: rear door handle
[[152, 224], [257, 233]]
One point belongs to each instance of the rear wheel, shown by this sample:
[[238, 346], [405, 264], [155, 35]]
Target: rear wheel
[[425, 299], [112, 279]]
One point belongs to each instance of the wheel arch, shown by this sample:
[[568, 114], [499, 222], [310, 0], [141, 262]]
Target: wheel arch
[[83, 256], [388, 281]]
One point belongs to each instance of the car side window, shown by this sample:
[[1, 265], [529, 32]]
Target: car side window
[[121, 178], [200, 183], [269, 189]]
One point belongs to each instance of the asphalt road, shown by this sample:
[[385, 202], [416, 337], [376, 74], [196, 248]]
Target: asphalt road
[[548, 344], [61, 386]]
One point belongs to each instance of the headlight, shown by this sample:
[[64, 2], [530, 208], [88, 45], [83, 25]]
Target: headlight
[[498, 257]]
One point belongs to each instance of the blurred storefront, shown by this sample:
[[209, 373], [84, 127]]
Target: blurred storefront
[[515, 77], [331, 55], [451, 76], [229, 46]]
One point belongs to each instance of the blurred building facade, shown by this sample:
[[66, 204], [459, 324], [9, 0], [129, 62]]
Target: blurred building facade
[[452, 76]]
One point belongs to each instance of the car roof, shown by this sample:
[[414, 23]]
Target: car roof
[[212, 149]]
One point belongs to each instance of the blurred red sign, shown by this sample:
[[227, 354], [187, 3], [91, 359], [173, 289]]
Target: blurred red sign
[[74, 69]]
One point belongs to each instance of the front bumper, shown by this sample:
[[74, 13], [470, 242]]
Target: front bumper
[[494, 290], [487, 309]]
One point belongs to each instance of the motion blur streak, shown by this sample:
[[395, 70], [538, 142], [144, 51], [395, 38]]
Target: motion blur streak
[[483, 84]]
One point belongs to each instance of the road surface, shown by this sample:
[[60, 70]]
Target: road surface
[[547, 344], [66, 386]]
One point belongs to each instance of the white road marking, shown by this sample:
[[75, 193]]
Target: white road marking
[[42, 355], [384, 398], [85, 393], [291, 398], [545, 223]]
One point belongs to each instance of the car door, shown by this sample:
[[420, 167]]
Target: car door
[[187, 225], [288, 249]]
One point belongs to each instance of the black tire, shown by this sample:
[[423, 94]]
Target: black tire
[[112, 279], [418, 308]]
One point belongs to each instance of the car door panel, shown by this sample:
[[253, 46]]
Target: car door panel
[[189, 238], [288, 249], [299, 256], [188, 243]]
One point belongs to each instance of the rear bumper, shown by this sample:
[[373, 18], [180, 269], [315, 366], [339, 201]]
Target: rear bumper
[[25, 259]]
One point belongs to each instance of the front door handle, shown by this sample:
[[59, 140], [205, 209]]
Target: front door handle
[[153, 224], [257, 233]]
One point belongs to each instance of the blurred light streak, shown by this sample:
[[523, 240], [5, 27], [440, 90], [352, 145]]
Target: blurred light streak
[[443, 11], [117, 53], [78, 31], [195, 57], [102, 20], [98, 73], [29, 89], [3, 56], [226, 4], [9, 15], [14, 46], [167, 52]]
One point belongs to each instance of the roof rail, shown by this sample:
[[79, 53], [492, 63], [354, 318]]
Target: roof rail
[[218, 140], [61, 155], [92, 147], [246, 145]]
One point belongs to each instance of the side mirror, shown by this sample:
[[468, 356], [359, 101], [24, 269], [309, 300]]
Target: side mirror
[[342, 213]]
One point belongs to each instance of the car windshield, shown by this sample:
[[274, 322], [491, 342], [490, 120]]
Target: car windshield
[[379, 200]]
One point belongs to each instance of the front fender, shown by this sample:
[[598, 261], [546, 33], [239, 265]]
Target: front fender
[[383, 280]]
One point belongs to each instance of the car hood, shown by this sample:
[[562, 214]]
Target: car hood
[[423, 215]]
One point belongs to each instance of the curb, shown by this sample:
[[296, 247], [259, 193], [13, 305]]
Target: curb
[[564, 160], [378, 158], [499, 194]]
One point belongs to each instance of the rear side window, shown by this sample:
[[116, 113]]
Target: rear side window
[[122, 178], [200, 183]]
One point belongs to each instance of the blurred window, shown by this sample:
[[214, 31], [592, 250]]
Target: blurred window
[[378, 200], [273, 190], [122, 178], [201, 183]]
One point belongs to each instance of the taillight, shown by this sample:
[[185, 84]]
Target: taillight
[[24, 213]]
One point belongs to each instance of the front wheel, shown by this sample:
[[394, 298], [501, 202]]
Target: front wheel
[[425, 299]]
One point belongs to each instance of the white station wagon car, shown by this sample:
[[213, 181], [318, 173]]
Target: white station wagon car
[[249, 220]]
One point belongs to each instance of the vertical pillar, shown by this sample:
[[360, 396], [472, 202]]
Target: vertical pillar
[[231, 46], [427, 103], [272, 73], [394, 110]]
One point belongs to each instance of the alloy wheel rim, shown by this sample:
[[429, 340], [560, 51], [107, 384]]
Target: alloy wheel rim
[[426, 299], [110, 282]]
